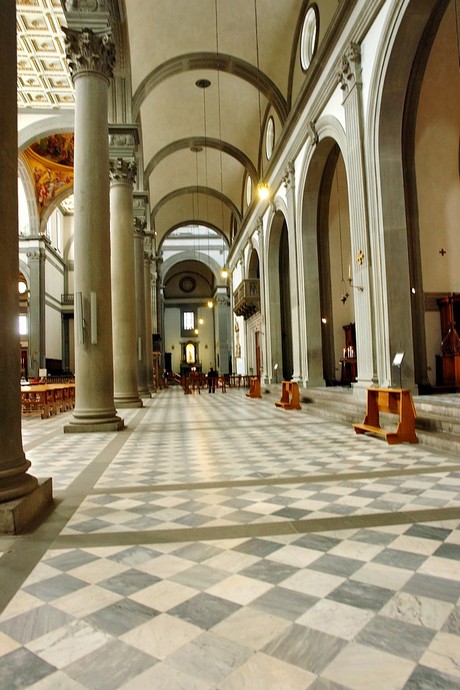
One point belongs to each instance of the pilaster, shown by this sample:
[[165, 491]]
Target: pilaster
[[351, 85], [143, 349], [36, 260]]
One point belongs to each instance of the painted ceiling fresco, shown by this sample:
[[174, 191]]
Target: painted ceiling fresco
[[50, 162]]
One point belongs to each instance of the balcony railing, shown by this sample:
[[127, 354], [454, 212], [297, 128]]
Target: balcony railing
[[246, 298]]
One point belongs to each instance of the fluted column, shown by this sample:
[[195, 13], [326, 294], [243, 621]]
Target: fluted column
[[91, 59], [351, 84], [141, 330], [122, 176], [20, 492]]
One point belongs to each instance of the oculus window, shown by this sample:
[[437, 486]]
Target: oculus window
[[309, 37]]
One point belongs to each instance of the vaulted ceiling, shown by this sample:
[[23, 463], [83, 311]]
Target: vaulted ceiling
[[202, 80]]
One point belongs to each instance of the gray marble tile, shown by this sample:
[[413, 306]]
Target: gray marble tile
[[396, 637], [428, 532], [70, 559], [21, 668], [88, 526], [269, 571], [209, 658], [425, 678], [448, 551], [284, 603], [110, 666], [310, 649], [400, 559], [204, 610], [34, 623], [200, 577], [371, 536], [257, 547], [324, 684], [361, 595], [121, 616], [434, 587], [452, 624], [55, 587], [317, 542], [134, 555], [198, 552], [336, 565], [128, 582]]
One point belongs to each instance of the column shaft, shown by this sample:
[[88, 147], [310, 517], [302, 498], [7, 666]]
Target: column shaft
[[94, 404], [123, 288], [142, 380]]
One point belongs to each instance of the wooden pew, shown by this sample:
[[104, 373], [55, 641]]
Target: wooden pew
[[396, 401]]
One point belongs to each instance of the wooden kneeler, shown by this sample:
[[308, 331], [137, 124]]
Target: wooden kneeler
[[396, 401], [290, 399], [254, 388]]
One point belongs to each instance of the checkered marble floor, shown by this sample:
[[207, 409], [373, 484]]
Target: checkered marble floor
[[220, 543]]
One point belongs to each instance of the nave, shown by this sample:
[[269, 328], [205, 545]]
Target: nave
[[221, 543]]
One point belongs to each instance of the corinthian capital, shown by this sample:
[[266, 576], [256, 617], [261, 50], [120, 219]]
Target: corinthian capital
[[350, 71], [140, 225], [289, 175], [123, 171], [89, 52]]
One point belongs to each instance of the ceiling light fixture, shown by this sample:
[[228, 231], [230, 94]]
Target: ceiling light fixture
[[263, 189]]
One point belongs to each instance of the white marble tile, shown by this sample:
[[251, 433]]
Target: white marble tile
[[443, 654], [84, 602], [231, 561], [331, 616], [162, 676], [364, 668], [251, 628], [21, 602], [294, 555], [67, 644], [415, 545], [359, 550], [239, 589], [313, 582], [382, 576], [57, 681], [7, 645], [441, 567], [430, 613], [262, 672], [164, 595], [165, 566], [99, 570], [162, 635]]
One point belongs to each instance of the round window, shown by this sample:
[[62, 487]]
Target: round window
[[309, 37], [270, 138]]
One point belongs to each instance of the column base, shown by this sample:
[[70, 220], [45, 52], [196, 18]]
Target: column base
[[17, 514], [144, 393], [128, 401], [89, 423]]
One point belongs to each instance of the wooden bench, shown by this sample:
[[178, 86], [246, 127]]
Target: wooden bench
[[397, 401], [290, 399], [254, 388], [48, 398]]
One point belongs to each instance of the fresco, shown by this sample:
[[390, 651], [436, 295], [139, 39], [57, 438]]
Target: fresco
[[50, 162]]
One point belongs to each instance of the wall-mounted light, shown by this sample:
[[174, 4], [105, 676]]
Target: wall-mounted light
[[263, 190], [324, 320], [224, 273], [201, 321], [22, 287], [210, 304]]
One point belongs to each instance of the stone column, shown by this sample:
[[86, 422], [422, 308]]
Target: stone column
[[223, 330], [36, 259], [91, 58], [21, 495], [148, 316], [122, 176], [351, 84], [141, 330]]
